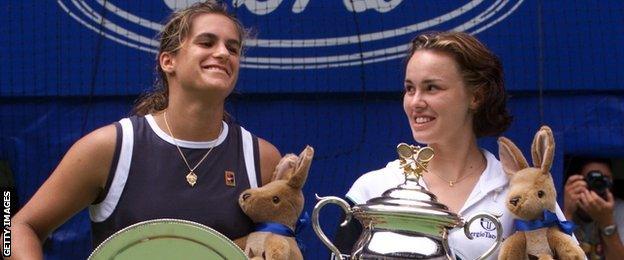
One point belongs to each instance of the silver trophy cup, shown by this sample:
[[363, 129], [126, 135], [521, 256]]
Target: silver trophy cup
[[405, 222]]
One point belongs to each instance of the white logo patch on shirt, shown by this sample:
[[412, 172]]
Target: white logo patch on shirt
[[484, 228]]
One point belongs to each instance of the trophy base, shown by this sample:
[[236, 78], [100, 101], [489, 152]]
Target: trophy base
[[387, 244]]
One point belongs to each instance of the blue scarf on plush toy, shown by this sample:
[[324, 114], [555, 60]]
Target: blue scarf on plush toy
[[549, 219], [281, 229]]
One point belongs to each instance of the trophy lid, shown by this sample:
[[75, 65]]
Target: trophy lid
[[409, 206]]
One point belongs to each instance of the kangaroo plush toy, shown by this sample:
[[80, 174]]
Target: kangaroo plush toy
[[275, 208], [532, 199]]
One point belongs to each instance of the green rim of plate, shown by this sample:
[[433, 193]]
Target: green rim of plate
[[167, 239]]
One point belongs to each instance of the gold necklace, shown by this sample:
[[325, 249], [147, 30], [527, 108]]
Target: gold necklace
[[452, 183], [191, 177]]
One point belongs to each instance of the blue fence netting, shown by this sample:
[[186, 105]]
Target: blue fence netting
[[324, 73]]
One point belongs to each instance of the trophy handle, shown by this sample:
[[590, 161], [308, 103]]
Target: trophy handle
[[499, 232], [322, 201]]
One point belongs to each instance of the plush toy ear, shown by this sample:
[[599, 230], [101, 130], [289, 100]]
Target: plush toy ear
[[543, 149], [511, 157], [303, 166], [285, 167]]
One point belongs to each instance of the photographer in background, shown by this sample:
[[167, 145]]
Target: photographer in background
[[589, 202]]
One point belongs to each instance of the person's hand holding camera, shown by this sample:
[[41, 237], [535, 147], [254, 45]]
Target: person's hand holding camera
[[598, 208], [591, 194], [574, 188], [591, 204], [594, 198]]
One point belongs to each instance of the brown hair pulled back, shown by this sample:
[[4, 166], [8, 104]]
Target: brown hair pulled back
[[171, 38]]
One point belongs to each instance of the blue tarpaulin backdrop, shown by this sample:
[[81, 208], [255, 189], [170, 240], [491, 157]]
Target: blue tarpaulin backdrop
[[324, 73]]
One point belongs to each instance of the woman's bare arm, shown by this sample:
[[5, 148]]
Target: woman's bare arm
[[76, 182], [269, 157]]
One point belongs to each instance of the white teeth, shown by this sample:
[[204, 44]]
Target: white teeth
[[421, 120], [217, 68]]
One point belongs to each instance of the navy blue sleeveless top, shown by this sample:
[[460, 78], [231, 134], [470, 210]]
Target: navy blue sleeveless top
[[148, 179]]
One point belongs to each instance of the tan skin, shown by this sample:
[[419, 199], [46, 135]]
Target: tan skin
[[437, 104], [194, 106], [577, 195]]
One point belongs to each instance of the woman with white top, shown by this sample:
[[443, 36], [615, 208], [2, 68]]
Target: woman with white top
[[453, 94]]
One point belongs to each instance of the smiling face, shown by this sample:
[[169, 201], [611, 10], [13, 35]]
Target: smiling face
[[209, 57], [436, 100]]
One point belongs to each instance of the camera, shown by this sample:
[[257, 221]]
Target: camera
[[598, 182]]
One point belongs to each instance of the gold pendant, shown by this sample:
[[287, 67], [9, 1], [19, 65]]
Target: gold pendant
[[230, 179], [191, 178], [451, 183]]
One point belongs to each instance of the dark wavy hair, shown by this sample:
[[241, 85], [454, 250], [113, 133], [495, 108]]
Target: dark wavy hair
[[171, 38], [577, 163], [482, 73]]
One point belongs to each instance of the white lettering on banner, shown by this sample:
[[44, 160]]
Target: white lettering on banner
[[180, 4], [6, 224], [259, 7], [265, 7], [254, 6], [124, 25], [381, 6]]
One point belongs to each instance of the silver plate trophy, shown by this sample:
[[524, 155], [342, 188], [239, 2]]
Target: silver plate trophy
[[406, 222], [167, 239]]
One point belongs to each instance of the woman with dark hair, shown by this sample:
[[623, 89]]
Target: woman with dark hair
[[177, 157], [453, 94]]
